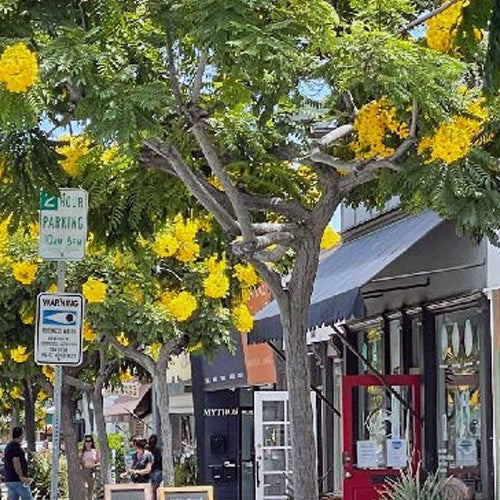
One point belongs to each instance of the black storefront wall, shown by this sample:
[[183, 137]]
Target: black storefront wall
[[223, 408]]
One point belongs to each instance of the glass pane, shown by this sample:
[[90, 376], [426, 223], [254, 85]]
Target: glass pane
[[274, 434], [274, 485], [274, 460], [371, 346], [273, 411], [458, 336], [383, 434]]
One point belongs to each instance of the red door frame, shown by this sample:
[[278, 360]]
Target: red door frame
[[370, 481]]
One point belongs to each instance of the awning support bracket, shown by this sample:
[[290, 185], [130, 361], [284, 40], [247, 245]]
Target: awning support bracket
[[318, 393]]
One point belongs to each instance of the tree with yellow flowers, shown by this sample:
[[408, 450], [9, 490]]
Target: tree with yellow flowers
[[270, 114], [173, 292]]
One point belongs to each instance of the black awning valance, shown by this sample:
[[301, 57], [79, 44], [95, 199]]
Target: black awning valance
[[343, 272]]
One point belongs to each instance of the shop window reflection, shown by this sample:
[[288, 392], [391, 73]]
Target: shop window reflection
[[371, 347], [459, 398]]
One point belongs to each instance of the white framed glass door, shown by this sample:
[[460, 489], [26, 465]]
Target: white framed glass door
[[272, 444]]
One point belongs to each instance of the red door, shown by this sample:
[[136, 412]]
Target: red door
[[381, 431]]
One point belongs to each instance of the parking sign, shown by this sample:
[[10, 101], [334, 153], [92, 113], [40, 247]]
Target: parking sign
[[58, 334], [63, 225]]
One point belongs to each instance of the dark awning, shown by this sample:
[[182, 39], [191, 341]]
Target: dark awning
[[225, 370], [343, 272]]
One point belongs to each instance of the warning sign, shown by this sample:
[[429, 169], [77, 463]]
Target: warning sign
[[58, 335]]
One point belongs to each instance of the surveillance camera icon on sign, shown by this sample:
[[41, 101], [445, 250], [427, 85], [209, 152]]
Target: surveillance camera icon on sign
[[60, 318]]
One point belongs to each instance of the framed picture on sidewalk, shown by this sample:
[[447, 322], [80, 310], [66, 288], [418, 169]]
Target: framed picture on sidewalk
[[186, 493], [128, 491]]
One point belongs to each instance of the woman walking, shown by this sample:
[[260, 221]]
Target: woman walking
[[90, 460]]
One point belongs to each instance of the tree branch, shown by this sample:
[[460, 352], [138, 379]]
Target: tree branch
[[420, 20], [172, 73], [273, 227], [366, 170], [198, 79], [334, 135], [129, 352], [290, 209], [78, 384], [242, 214], [193, 183], [242, 248]]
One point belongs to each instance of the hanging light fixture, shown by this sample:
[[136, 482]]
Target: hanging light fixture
[[468, 338], [444, 340], [455, 339]]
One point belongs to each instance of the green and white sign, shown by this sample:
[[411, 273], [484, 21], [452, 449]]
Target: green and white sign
[[63, 225]]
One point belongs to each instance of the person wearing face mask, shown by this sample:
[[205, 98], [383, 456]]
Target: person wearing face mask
[[16, 468]]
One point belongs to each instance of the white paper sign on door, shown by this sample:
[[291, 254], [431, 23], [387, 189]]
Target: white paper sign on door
[[367, 457], [397, 453], [466, 452]]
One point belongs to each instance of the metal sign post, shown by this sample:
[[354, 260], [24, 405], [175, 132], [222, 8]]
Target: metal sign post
[[62, 237], [56, 419]]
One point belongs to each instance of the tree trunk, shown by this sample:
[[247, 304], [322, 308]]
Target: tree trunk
[[29, 415], [101, 430], [160, 387], [294, 308], [75, 482]]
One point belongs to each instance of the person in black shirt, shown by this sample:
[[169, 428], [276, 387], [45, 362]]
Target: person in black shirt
[[16, 468], [157, 469], [140, 472]]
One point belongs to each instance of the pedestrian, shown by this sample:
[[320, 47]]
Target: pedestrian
[[16, 468], [90, 460], [140, 471], [45, 451], [157, 468]]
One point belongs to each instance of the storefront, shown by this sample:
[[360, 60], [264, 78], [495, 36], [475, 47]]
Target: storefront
[[399, 321]]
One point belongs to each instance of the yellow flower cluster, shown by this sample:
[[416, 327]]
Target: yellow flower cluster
[[1, 359], [374, 123], [4, 235], [246, 275], [185, 233], [313, 193], [48, 371], [76, 147], [133, 290], [94, 290], [452, 140], [178, 241], [122, 339], [330, 238], [27, 317], [241, 318], [194, 348], [26, 313], [24, 272], [88, 334], [216, 284], [180, 306], [4, 179], [153, 350], [441, 30], [18, 68], [19, 354], [165, 244], [109, 154], [125, 376], [42, 395], [15, 392]]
